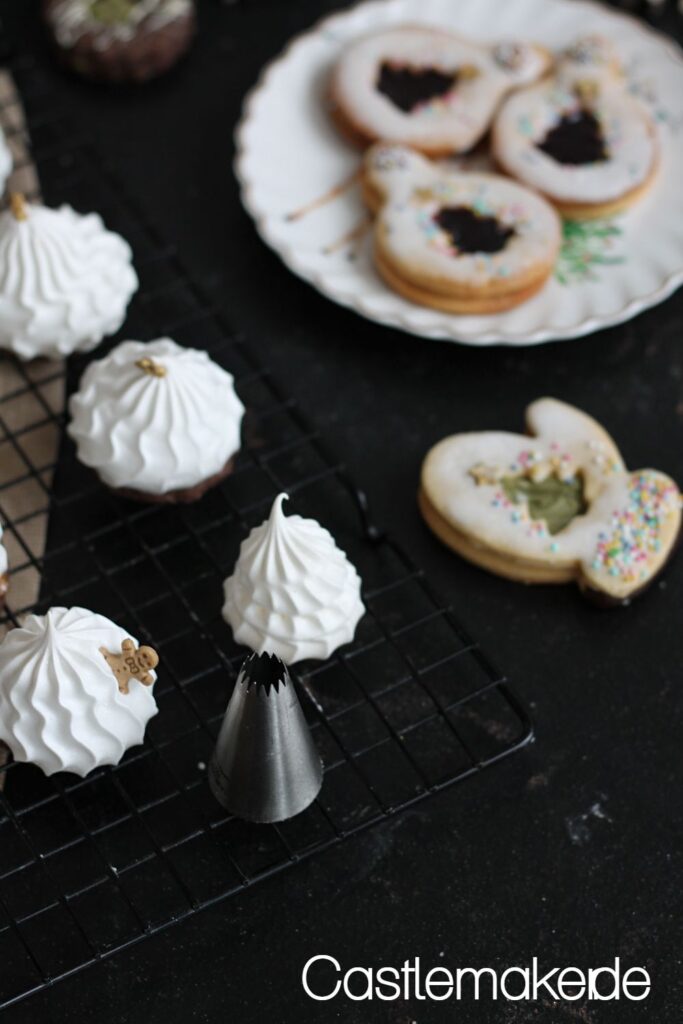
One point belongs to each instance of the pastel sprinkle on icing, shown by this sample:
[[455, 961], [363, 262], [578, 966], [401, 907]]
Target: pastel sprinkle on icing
[[634, 533]]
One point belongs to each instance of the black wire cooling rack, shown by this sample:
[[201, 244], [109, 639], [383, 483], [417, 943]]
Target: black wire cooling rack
[[88, 867]]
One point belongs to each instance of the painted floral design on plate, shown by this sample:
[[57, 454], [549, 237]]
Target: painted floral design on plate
[[586, 246]]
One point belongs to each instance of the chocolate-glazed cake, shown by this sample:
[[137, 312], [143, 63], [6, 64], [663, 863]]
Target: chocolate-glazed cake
[[120, 40]]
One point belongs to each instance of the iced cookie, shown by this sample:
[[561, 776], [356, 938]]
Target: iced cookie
[[427, 88], [461, 242], [552, 507], [579, 137]]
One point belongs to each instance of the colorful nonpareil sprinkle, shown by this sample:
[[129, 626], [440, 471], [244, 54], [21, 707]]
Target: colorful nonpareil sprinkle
[[634, 533], [519, 515]]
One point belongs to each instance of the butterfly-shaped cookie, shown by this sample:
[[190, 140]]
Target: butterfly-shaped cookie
[[459, 241], [427, 88], [580, 137], [554, 506]]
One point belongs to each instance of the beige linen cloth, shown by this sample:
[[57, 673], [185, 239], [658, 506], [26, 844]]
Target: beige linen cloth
[[31, 396]]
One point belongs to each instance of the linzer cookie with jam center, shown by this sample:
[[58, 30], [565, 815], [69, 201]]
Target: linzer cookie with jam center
[[427, 88], [120, 40], [555, 506], [156, 421], [579, 137], [457, 241]]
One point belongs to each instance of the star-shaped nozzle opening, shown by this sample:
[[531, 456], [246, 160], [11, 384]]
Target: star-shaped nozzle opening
[[266, 671]]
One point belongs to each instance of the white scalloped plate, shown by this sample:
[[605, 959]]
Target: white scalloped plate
[[289, 155]]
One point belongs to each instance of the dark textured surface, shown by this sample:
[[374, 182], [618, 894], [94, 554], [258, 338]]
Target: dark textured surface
[[573, 850]]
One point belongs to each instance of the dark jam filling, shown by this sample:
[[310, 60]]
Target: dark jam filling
[[576, 139], [408, 88], [472, 232]]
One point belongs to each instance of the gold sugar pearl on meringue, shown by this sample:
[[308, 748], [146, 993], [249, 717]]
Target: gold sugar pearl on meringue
[[18, 205], [149, 366]]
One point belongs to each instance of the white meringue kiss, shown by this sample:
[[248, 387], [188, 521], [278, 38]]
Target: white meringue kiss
[[60, 705], [293, 592], [65, 281], [155, 433]]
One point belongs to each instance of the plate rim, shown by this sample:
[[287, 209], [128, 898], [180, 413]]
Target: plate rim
[[288, 255]]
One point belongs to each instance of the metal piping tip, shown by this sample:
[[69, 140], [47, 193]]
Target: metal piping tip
[[265, 767]]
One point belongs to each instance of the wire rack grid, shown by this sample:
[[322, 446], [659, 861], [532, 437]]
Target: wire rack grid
[[91, 866]]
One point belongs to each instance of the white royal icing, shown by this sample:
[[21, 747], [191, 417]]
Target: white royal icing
[[155, 433], [65, 281], [526, 117], [617, 542], [455, 120], [72, 19], [416, 189], [60, 704], [293, 592]]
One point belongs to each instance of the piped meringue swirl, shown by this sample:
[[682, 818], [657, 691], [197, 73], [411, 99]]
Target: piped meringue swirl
[[155, 431], [293, 592], [60, 705], [65, 281]]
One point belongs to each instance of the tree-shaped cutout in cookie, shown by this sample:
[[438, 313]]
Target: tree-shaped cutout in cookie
[[553, 500]]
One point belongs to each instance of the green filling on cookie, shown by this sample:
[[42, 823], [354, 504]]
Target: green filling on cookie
[[112, 12], [554, 501]]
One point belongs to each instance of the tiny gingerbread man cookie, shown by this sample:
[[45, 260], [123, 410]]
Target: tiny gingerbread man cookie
[[426, 88], [132, 663], [457, 241], [555, 506], [579, 137]]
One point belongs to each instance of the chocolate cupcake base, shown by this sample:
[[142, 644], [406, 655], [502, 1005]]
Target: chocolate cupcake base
[[182, 496], [153, 48]]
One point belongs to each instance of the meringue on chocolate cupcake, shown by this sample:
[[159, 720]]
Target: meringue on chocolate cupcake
[[120, 40], [156, 421], [75, 691], [65, 281]]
